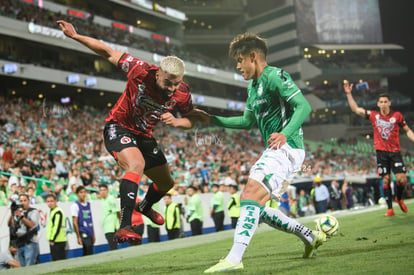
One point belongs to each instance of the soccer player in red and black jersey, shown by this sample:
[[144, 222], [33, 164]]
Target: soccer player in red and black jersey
[[151, 93], [386, 125]]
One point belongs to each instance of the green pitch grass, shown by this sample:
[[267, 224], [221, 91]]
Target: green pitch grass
[[367, 243]]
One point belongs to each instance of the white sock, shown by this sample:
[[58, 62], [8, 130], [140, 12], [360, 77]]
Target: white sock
[[246, 226], [277, 219]]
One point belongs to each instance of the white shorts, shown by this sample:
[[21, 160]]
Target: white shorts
[[276, 168]]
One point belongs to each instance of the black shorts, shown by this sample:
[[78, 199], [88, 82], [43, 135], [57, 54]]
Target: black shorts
[[117, 138], [387, 161]]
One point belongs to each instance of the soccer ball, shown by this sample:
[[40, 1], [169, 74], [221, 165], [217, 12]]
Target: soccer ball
[[327, 224]]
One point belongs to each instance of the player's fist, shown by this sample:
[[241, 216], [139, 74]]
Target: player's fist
[[168, 118]]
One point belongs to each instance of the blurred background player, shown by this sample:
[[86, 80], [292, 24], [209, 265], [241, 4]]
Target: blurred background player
[[279, 108], [151, 92], [386, 126]]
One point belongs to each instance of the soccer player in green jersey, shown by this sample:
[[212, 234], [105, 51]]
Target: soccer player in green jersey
[[279, 108]]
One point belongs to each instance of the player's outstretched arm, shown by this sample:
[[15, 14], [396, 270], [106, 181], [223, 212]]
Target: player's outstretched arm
[[95, 45], [236, 122], [409, 132], [351, 101]]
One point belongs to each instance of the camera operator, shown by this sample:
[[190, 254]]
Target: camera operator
[[24, 225]]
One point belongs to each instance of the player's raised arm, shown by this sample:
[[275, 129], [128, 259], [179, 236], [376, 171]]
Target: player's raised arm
[[95, 45], [352, 104]]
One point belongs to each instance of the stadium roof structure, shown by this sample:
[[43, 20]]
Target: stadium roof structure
[[351, 47]]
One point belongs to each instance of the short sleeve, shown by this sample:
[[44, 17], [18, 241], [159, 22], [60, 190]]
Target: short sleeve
[[129, 64], [74, 209]]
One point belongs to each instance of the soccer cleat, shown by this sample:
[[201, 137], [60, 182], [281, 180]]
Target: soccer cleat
[[390, 212], [310, 248], [402, 205], [126, 234], [153, 215], [224, 265]]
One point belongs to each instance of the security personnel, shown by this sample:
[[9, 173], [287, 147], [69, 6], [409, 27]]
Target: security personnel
[[56, 230], [172, 217], [217, 207], [233, 205], [195, 215]]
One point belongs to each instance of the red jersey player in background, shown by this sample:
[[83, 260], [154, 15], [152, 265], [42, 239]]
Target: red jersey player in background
[[151, 93], [386, 125]]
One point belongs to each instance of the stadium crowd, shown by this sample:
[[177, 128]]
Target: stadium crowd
[[54, 148], [23, 11], [63, 144]]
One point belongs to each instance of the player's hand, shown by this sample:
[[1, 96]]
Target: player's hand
[[276, 140], [67, 28], [200, 115], [348, 87], [168, 119], [79, 240]]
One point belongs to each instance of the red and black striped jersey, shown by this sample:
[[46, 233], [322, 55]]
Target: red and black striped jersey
[[140, 106], [386, 130]]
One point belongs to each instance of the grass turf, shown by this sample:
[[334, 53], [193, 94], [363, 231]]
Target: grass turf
[[367, 243]]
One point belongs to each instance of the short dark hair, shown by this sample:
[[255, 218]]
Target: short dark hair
[[51, 195], [246, 42], [80, 188], [103, 185], [384, 95], [192, 187], [24, 195], [167, 195]]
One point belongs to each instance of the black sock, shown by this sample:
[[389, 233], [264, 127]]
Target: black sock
[[153, 195], [128, 191], [388, 195], [400, 190]]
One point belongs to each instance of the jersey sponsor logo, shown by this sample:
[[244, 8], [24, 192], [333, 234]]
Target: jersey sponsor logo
[[125, 140], [384, 128], [147, 110]]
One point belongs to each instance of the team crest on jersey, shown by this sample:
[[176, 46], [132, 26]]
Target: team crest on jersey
[[260, 90], [392, 120], [125, 140], [125, 67], [155, 151]]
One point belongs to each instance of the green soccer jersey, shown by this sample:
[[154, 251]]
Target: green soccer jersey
[[268, 98]]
